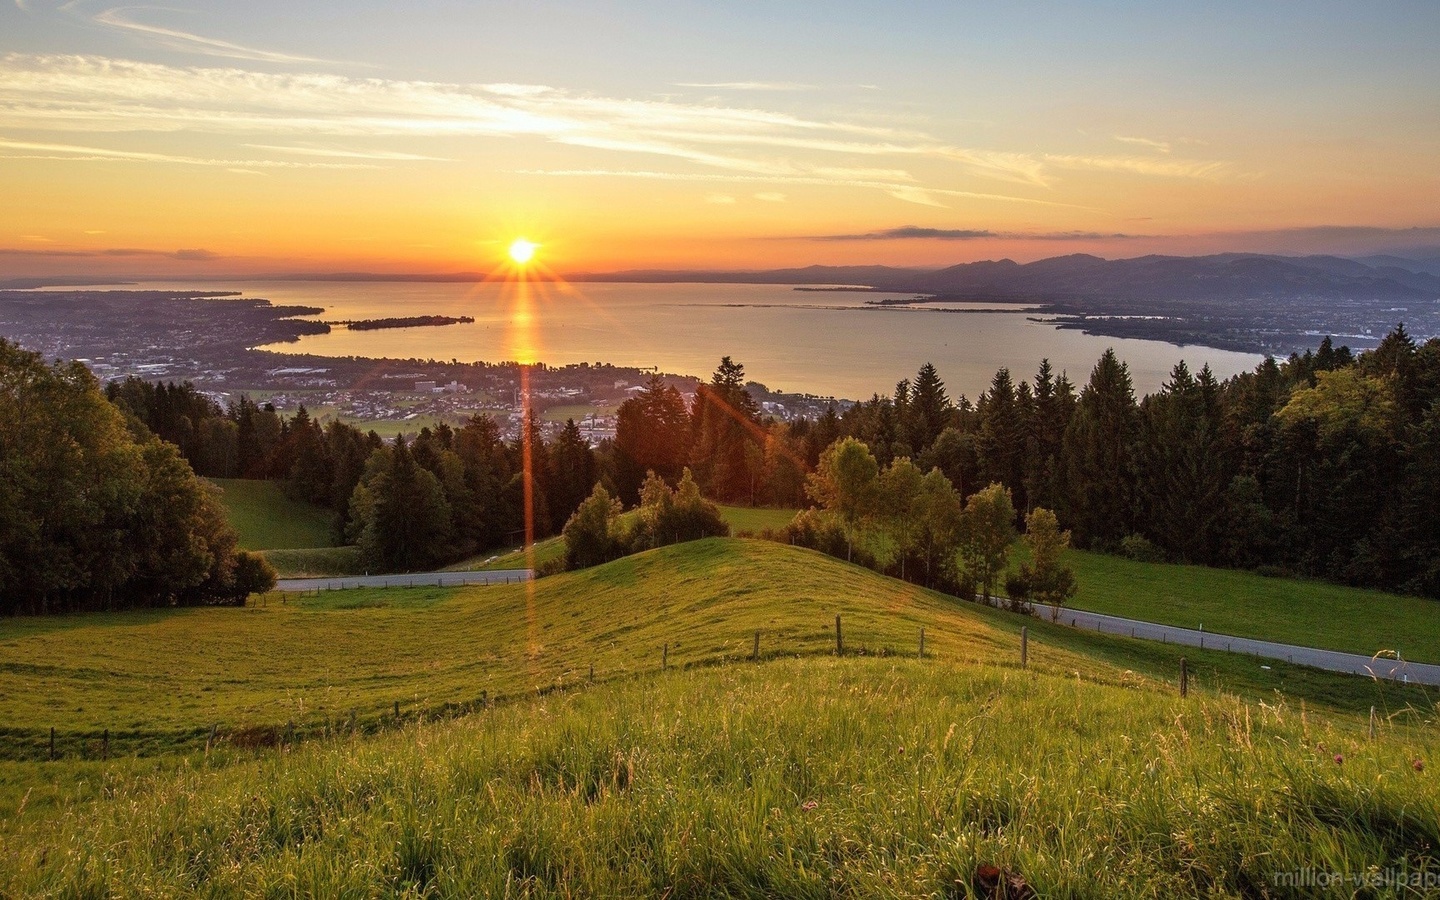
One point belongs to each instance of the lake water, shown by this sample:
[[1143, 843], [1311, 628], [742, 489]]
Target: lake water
[[827, 343]]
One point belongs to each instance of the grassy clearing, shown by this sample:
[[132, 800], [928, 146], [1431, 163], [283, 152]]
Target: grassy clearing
[[268, 520], [1289, 610], [319, 562], [755, 519], [794, 778], [545, 551], [160, 679], [577, 411]]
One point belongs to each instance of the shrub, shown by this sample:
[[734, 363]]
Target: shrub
[[1140, 549]]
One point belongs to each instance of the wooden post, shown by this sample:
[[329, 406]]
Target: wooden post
[[210, 741], [755, 653], [1372, 723], [592, 671], [105, 742], [1184, 678], [921, 654], [839, 638], [52, 743], [1024, 646], [485, 698], [665, 658]]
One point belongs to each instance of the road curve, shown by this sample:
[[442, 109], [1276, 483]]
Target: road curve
[[1330, 660], [417, 579]]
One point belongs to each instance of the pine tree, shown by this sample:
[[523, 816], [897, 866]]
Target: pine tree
[[1097, 463]]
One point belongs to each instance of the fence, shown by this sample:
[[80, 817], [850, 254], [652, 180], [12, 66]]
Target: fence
[[102, 744]]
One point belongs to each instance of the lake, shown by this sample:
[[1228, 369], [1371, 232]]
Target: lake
[[829, 343]]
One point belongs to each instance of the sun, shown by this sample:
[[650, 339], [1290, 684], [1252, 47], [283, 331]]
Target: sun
[[522, 251]]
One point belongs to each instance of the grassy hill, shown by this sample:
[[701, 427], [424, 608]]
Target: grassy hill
[[159, 679], [800, 775], [268, 520]]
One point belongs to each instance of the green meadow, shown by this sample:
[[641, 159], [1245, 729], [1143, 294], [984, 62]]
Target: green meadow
[[266, 519]]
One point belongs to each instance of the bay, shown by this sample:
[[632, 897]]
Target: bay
[[829, 343]]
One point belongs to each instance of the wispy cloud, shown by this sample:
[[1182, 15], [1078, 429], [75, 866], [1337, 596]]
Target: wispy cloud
[[916, 232], [76, 153], [191, 255], [749, 85], [1162, 146], [1146, 165], [122, 17], [100, 95], [339, 153], [925, 196]]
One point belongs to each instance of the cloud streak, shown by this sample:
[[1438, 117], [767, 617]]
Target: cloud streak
[[916, 232], [76, 153], [749, 85], [99, 95], [120, 17], [191, 255]]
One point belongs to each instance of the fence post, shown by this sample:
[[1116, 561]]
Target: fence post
[[755, 653], [665, 658], [1372, 723], [592, 671], [485, 698], [839, 638], [105, 742], [1024, 646], [52, 743], [921, 654], [1184, 678], [210, 741]]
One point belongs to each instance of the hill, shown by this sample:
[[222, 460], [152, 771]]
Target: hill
[[159, 680], [266, 519], [802, 774]]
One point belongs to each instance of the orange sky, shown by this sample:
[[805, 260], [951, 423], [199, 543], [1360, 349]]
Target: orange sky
[[202, 141]]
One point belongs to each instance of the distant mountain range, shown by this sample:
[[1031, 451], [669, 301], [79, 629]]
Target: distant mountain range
[[1222, 277]]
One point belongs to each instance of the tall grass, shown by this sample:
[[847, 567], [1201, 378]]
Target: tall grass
[[793, 778]]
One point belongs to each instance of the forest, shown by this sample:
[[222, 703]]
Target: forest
[[1326, 464]]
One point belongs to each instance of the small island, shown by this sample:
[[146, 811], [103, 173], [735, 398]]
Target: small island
[[404, 322]]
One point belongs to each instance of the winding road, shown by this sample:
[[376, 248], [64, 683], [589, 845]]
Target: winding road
[[1329, 660], [416, 579]]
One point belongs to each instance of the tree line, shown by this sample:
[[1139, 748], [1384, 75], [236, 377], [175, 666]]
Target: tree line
[[1325, 464], [96, 512]]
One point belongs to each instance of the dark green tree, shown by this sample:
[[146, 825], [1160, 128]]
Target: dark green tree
[[1097, 457]]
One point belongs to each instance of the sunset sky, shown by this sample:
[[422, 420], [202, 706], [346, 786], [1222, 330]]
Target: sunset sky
[[208, 138]]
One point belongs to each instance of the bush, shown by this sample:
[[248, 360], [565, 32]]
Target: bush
[[1017, 592], [1140, 549]]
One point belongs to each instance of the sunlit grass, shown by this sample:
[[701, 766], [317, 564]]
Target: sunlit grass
[[807, 777]]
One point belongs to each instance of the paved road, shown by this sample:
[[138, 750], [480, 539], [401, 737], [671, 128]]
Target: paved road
[[1331, 660], [1334, 661], [440, 579]]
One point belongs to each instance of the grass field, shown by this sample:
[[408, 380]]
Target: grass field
[[316, 562], [159, 679], [1290, 610], [576, 411], [793, 778], [754, 519], [545, 550], [268, 520], [803, 775]]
